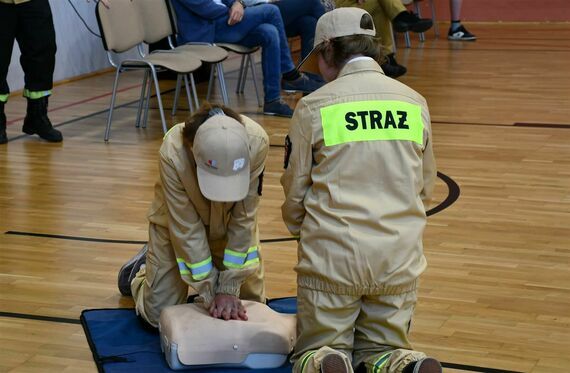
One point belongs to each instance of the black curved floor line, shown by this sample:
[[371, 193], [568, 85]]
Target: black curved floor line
[[452, 196]]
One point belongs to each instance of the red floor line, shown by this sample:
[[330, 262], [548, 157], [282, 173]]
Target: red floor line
[[79, 102]]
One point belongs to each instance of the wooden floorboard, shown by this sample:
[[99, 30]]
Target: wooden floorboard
[[496, 293]]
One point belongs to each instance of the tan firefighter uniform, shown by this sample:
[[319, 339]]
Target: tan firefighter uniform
[[359, 176], [211, 246]]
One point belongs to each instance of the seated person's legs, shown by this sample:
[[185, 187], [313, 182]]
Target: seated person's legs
[[300, 19], [263, 25]]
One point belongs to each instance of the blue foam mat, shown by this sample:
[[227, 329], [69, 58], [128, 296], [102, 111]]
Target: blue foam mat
[[120, 343]]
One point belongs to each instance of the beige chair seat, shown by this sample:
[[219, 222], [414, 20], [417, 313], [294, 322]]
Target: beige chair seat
[[206, 53], [237, 48], [173, 61]]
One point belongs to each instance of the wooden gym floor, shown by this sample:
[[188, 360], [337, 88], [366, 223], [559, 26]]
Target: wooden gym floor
[[496, 293]]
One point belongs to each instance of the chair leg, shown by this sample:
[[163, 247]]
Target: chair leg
[[159, 99], [141, 99], [244, 73], [210, 83], [254, 77], [222, 80], [407, 39], [193, 85], [433, 18], [240, 75], [147, 102], [188, 95], [419, 13], [176, 95], [113, 97]]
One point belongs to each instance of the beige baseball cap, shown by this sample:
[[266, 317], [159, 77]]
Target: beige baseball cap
[[334, 24], [221, 151]]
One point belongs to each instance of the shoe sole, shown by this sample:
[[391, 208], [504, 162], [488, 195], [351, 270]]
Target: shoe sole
[[421, 26], [428, 365], [277, 115], [28, 131], [471, 38], [126, 270], [333, 363]]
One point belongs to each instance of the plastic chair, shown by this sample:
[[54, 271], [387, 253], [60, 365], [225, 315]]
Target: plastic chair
[[121, 27]]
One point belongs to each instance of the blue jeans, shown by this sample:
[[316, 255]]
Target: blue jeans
[[300, 19], [261, 25]]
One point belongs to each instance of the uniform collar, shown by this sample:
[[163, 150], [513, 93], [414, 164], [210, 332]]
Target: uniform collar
[[359, 65]]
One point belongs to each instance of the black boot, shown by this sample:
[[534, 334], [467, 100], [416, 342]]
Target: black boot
[[392, 68], [37, 121], [3, 137]]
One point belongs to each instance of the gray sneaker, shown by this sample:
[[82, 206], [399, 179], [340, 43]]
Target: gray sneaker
[[129, 270]]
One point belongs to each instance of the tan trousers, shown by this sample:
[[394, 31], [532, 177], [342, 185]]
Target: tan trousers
[[159, 285], [369, 330], [382, 12]]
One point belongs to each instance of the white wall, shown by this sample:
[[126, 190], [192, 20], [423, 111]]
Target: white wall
[[78, 51]]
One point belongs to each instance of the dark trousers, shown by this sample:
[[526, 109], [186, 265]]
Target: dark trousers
[[31, 25], [300, 19]]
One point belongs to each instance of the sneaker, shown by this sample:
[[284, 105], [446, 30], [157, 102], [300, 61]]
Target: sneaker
[[408, 21], [305, 83], [392, 68], [278, 108], [461, 34], [427, 365], [129, 270], [334, 363], [315, 77]]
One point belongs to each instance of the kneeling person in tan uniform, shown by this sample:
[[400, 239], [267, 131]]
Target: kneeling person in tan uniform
[[359, 174], [203, 228]]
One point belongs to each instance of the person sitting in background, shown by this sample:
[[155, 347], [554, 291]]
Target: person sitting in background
[[230, 21], [299, 17], [388, 14], [456, 30]]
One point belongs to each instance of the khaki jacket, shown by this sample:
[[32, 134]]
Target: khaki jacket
[[358, 197], [199, 226]]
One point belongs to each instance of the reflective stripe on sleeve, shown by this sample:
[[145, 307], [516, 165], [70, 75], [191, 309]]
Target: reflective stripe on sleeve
[[237, 260], [198, 270]]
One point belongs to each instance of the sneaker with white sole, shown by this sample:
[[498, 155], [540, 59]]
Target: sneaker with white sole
[[461, 34], [129, 270]]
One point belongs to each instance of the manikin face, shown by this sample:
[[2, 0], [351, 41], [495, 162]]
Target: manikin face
[[328, 72]]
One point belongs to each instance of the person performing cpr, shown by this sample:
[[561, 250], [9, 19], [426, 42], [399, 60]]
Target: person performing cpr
[[203, 230], [359, 175]]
